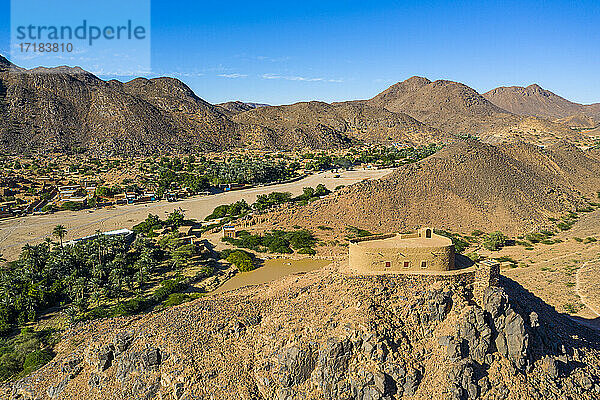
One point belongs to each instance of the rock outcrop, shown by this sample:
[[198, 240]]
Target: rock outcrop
[[324, 335]]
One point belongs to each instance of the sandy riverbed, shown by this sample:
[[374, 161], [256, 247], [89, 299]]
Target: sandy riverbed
[[15, 233]]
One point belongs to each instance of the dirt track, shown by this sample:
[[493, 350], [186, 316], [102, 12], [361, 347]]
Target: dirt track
[[15, 233]]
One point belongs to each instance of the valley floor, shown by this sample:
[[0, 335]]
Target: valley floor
[[15, 233]]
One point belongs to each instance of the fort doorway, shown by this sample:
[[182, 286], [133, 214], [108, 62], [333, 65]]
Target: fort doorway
[[428, 233]]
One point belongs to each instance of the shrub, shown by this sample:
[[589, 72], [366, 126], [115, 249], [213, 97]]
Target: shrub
[[131, 306], [176, 299], [307, 250], [36, 360], [242, 260], [6, 320], [474, 256], [22, 354], [460, 244], [495, 241], [589, 240], [522, 243], [301, 239], [585, 209], [578, 239], [101, 311], [71, 206], [148, 225], [167, 287], [47, 208], [565, 226], [357, 232], [321, 190], [218, 212], [535, 237]]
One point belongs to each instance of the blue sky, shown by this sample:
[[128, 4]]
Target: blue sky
[[287, 51]]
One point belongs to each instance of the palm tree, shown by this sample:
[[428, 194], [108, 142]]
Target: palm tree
[[59, 232]]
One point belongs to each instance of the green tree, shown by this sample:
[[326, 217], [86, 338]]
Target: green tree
[[175, 220], [308, 193], [59, 232], [321, 190]]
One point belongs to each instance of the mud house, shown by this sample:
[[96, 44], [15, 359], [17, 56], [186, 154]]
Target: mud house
[[229, 231], [422, 251]]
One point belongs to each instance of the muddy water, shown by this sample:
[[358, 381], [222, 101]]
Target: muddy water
[[270, 271]]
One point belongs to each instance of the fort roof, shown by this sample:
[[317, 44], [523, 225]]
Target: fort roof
[[408, 241]]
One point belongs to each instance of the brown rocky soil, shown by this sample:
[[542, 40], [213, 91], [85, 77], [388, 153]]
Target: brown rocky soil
[[537, 131], [465, 186], [449, 106], [305, 122], [236, 107], [325, 335], [67, 109], [536, 101], [580, 120]]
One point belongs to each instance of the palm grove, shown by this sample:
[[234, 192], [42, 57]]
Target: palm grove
[[99, 277]]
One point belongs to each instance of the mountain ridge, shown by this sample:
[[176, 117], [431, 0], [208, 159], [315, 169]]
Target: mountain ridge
[[536, 101], [66, 109]]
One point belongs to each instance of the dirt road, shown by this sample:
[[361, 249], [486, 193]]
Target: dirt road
[[15, 233]]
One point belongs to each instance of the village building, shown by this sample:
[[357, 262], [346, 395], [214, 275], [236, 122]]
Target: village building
[[229, 231], [126, 234]]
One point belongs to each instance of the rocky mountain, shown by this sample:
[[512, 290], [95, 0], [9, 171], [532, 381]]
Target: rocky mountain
[[236, 107], [329, 335], [510, 187], [308, 121], [536, 101], [449, 106], [63, 109], [67, 109]]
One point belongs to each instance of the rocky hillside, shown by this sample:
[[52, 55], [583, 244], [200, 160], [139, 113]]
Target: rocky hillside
[[236, 107], [536, 101], [325, 335], [308, 122], [467, 185], [579, 121], [65, 108], [537, 131], [449, 106]]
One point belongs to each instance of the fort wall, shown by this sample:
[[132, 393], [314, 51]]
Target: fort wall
[[400, 253]]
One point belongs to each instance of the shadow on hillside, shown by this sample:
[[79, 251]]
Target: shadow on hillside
[[574, 331], [587, 322]]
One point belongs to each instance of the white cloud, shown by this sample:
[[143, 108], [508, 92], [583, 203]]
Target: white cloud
[[300, 78], [233, 76]]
